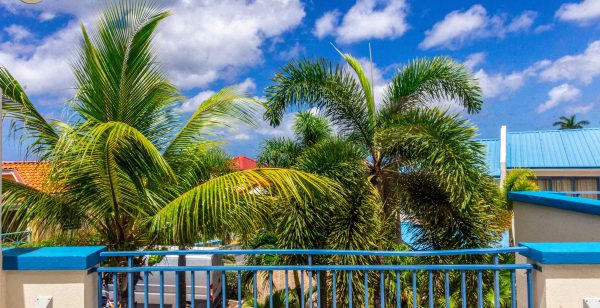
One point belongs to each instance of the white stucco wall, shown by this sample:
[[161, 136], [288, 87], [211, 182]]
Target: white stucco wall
[[2, 283], [69, 289], [537, 223], [560, 286]]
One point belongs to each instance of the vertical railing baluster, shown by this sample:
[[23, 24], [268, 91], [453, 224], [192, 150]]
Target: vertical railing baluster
[[398, 290], [161, 288], [130, 286], [146, 290], [255, 289], [447, 288], [100, 290], [239, 285], [479, 290], [223, 289], [382, 288], [350, 289], [463, 288], [177, 301], [115, 290], [287, 291], [431, 298], [302, 289], [366, 286], [270, 289], [496, 283], [318, 289], [513, 293], [208, 297], [529, 289], [414, 290], [334, 289], [193, 288]]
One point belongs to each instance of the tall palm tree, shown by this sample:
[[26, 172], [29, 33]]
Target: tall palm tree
[[408, 141], [570, 123], [124, 166]]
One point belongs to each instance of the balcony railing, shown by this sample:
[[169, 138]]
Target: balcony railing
[[396, 278], [15, 238]]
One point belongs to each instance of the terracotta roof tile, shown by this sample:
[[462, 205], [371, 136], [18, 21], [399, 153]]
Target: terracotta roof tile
[[244, 163], [30, 173]]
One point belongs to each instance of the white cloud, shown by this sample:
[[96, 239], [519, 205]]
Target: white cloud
[[580, 109], [543, 28], [207, 41], [43, 67], [583, 67], [366, 19], [326, 24], [582, 12], [563, 93], [247, 86], [459, 26], [295, 51], [497, 84], [203, 42], [473, 60], [17, 32]]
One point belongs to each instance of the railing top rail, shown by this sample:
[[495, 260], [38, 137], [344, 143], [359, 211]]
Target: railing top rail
[[322, 252], [411, 267]]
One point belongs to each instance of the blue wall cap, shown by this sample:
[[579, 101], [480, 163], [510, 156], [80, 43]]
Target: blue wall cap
[[563, 253], [51, 258], [557, 200]]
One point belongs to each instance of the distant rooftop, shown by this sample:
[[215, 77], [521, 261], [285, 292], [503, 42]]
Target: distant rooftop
[[31, 173], [244, 163], [548, 149]]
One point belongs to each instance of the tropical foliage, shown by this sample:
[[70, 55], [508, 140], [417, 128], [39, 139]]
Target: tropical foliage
[[123, 168], [570, 123]]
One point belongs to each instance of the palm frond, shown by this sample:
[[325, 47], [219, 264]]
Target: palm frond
[[118, 76], [221, 110], [331, 88], [426, 81], [17, 106], [279, 153], [236, 200], [440, 143]]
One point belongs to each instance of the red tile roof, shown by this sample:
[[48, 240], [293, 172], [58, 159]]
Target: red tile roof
[[244, 163], [30, 173]]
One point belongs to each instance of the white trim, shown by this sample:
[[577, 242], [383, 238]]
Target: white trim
[[502, 155]]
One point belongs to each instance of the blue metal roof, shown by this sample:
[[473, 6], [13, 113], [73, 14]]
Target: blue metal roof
[[561, 149]]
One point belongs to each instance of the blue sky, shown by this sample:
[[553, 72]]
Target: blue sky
[[536, 60]]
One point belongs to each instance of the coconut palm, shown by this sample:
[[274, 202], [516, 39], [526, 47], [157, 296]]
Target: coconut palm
[[570, 123], [124, 167], [407, 140]]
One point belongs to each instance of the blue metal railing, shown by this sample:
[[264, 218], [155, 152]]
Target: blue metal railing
[[343, 281], [15, 238]]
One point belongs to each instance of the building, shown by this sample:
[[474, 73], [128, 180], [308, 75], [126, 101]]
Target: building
[[242, 162], [563, 160]]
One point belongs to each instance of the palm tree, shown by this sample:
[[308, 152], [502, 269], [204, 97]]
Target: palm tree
[[124, 167], [570, 123], [414, 151]]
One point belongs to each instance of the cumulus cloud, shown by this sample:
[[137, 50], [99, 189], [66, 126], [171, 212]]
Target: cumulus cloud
[[473, 60], [563, 93], [583, 67], [17, 32], [581, 12], [366, 19], [475, 23], [203, 42], [494, 85], [579, 109], [42, 67], [247, 86], [206, 41]]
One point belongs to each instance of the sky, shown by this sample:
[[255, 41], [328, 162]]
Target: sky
[[535, 60]]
